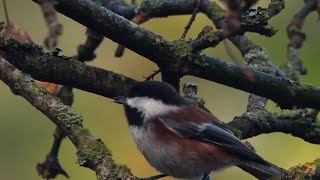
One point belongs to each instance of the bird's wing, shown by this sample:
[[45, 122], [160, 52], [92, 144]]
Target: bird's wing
[[211, 132]]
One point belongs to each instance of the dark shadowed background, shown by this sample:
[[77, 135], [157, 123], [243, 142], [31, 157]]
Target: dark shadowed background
[[26, 134]]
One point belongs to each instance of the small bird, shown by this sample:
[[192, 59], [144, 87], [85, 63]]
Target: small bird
[[180, 139]]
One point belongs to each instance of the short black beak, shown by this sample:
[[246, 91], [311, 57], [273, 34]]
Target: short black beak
[[120, 99]]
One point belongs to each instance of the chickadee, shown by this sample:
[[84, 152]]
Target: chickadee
[[180, 139]]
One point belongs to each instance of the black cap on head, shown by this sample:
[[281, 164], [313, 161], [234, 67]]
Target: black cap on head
[[157, 90]]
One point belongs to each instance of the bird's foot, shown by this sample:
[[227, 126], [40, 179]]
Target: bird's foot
[[154, 177]]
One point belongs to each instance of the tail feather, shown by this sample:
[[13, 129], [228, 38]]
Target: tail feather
[[262, 171]]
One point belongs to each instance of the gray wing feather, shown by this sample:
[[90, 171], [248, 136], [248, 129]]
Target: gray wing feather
[[215, 133]]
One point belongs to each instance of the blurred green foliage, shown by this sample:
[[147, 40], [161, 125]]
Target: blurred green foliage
[[26, 134]]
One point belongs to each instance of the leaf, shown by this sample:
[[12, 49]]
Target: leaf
[[13, 31], [52, 88]]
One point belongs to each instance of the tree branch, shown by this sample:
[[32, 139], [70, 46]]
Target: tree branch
[[182, 56], [296, 123], [67, 71], [32, 60], [157, 49], [92, 153], [252, 21], [294, 64]]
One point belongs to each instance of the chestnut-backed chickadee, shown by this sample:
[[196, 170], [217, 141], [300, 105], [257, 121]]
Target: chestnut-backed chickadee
[[180, 139]]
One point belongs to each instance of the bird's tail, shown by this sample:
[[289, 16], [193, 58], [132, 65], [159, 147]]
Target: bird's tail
[[263, 170]]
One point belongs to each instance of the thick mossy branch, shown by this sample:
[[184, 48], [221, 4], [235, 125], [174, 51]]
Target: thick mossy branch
[[92, 153], [286, 93], [296, 123]]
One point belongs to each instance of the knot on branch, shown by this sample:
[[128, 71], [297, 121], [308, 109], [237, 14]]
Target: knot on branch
[[190, 90]]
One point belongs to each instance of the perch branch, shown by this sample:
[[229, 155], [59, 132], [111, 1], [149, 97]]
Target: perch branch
[[296, 123]]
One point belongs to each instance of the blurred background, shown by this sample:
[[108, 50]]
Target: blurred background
[[26, 134]]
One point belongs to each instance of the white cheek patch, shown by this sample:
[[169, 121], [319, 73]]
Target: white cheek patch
[[150, 107]]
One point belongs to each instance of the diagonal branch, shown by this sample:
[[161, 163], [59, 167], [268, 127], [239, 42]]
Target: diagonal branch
[[92, 153]]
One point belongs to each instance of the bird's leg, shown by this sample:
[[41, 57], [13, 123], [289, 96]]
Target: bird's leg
[[154, 177], [206, 176]]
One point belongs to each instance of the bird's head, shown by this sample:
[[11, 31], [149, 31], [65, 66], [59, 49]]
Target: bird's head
[[149, 99]]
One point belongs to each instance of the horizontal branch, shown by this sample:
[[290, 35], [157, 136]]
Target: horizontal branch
[[297, 123], [62, 70], [31, 59], [92, 153], [283, 91]]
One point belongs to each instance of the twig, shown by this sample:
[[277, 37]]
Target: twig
[[51, 167], [6, 10], [193, 17], [293, 64], [151, 76], [55, 28]]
